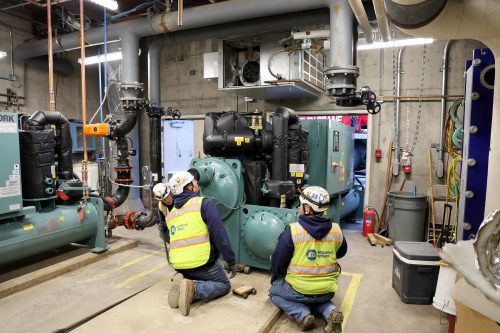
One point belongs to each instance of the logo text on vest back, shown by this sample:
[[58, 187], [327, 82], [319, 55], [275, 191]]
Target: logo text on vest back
[[311, 255]]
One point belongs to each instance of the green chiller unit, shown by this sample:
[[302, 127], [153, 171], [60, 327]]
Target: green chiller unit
[[33, 219], [256, 169]]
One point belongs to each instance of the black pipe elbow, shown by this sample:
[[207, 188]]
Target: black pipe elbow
[[286, 113], [119, 197], [125, 126]]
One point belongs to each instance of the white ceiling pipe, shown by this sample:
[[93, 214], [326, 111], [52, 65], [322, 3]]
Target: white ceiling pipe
[[383, 23], [360, 13], [311, 34], [470, 19]]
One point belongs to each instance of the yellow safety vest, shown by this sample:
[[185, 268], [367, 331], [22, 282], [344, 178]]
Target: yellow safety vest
[[163, 208], [313, 269], [189, 241]]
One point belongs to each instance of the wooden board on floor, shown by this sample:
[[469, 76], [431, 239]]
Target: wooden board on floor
[[372, 240], [382, 239]]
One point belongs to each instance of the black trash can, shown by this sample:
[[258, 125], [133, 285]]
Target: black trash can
[[415, 271]]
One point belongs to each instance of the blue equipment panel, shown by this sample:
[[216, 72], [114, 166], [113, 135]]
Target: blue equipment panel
[[476, 143], [76, 129]]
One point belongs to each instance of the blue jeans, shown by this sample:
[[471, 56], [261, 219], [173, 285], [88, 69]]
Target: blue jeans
[[297, 305], [210, 282]]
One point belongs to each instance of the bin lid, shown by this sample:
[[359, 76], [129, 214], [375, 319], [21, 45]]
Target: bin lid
[[417, 251]]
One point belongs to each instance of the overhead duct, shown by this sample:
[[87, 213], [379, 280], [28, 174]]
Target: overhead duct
[[264, 24]]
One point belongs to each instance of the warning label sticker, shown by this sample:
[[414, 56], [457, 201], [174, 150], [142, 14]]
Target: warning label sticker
[[8, 127], [12, 186]]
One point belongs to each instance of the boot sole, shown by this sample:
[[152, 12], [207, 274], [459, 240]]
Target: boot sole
[[174, 291], [184, 304], [334, 324]]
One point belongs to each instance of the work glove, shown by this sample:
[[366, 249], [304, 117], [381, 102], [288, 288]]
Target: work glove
[[232, 271]]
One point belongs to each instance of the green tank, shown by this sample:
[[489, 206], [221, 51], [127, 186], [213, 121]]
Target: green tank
[[253, 230]]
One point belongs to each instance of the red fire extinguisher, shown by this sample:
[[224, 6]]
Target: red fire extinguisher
[[369, 218]]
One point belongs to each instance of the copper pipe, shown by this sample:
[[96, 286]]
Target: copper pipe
[[180, 13], [49, 3], [52, 100], [84, 93], [416, 98]]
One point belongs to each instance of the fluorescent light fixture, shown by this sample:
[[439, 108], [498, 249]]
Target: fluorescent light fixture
[[110, 4], [396, 43], [114, 56], [3, 54]]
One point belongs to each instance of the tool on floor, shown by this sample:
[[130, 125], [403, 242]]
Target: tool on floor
[[240, 268], [446, 228], [244, 291]]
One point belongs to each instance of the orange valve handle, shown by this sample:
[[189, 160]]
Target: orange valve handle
[[101, 129]]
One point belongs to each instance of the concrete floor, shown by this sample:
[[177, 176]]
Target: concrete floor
[[365, 295]]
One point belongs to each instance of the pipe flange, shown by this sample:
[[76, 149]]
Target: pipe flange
[[342, 80], [130, 92]]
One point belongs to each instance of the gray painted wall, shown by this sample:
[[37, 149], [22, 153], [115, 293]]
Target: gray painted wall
[[183, 87]]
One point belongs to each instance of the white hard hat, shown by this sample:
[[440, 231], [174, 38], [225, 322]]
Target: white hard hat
[[161, 191], [316, 197], [179, 180]]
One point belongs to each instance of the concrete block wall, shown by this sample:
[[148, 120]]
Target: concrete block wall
[[35, 80], [183, 87]]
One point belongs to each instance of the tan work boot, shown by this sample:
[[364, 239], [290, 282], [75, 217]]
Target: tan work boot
[[186, 296], [334, 322], [307, 323], [173, 292]]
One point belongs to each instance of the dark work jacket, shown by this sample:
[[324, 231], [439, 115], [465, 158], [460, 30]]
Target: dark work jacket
[[317, 227], [219, 240]]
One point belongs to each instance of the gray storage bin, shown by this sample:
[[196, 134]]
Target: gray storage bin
[[415, 271], [406, 215]]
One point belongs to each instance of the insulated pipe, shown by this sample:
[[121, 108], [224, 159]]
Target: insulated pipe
[[444, 69], [311, 34], [38, 121], [264, 24], [362, 18], [383, 23], [196, 17], [395, 164], [459, 19]]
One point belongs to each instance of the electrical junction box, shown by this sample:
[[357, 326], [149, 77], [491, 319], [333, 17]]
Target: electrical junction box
[[11, 201], [246, 65]]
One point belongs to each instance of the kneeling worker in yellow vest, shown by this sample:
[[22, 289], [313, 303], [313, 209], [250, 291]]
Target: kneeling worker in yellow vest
[[304, 265], [197, 238], [163, 194]]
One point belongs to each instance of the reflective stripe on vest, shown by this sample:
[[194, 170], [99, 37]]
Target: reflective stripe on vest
[[189, 240], [313, 269]]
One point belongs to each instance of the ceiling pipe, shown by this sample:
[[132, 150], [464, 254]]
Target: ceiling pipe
[[444, 84], [383, 23], [196, 17], [265, 24], [362, 18], [342, 72], [459, 19]]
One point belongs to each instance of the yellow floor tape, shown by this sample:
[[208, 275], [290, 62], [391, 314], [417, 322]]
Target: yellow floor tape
[[125, 265], [350, 295], [139, 275]]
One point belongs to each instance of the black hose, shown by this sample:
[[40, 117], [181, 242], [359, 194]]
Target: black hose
[[38, 121]]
